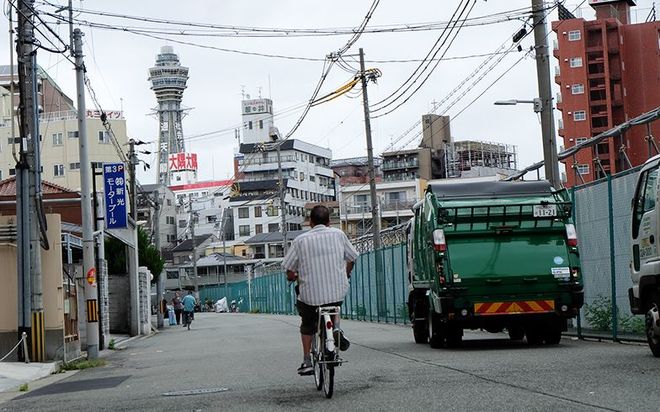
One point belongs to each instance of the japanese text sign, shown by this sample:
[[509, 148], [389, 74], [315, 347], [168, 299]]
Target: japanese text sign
[[114, 182]]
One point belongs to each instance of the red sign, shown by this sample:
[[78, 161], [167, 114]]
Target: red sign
[[182, 161], [91, 276]]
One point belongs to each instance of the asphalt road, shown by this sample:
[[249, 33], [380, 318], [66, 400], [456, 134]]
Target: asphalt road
[[253, 358]]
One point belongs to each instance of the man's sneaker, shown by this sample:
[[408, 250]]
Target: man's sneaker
[[306, 368], [339, 336]]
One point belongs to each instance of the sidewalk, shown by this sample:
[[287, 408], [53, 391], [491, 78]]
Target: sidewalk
[[14, 374]]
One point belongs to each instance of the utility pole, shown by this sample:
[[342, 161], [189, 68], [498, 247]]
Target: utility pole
[[89, 271], [224, 247], [25, 206], [160, 282], [101, 264], [194, 248], [550, 159], [285, 246], [375, 215], [133, 278]]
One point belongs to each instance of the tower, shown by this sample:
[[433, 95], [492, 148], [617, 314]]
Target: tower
[[168, 80]]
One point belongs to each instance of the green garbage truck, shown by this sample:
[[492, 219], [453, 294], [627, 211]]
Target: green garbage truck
[[493, 255]]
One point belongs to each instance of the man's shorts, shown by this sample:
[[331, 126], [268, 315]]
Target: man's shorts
[[309, 316]]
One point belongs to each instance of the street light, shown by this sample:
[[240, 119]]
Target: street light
[[538, 107], [550, 160]]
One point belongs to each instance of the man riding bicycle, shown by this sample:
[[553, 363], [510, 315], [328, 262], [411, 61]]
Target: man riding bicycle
[[321, 261], [189, 303]]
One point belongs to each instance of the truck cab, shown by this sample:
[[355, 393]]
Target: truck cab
[[645, 265]]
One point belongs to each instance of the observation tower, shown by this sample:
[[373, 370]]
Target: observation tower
[[168, 80]]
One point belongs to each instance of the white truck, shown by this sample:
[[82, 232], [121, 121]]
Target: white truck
[[645, 266]]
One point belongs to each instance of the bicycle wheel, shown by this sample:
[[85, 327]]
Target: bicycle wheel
[[318, 372], [328, 379]]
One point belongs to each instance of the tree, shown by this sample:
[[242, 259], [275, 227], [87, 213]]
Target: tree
[[148, 255], [115, 252]]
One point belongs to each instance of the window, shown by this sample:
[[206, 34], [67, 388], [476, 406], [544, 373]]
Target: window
[[644, 201], [257, 212], [169, 220], [577, 88], [244, 230], [250, 125], [172, 274], [273, 227], [72, 135], [58, 170], [74, 166], [574, 35], [97, 165], [575, 62], [15, 140], [211, 219], [261, 124], [581, 140], [312, 178], [302, 176], [272, 211], [583, 169], [258, 229], [243, 213], [104, 137], [579, 115], [183, 223], [12, 172], [57, 139], [169, 202]]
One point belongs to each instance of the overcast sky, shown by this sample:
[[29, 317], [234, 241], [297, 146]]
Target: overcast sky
[[118, 63]]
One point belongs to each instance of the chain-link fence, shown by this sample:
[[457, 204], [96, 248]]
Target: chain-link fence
[[369, 298], [602, 217]]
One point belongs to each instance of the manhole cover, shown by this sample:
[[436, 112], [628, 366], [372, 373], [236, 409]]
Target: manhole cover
[[195, 392]]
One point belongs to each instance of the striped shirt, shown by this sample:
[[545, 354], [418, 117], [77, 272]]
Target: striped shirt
[[319, 257]]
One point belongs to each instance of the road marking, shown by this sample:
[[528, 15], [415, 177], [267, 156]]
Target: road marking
[[195, 392]]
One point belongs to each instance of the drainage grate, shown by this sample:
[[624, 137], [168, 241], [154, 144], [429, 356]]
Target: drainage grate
[[195, 392]]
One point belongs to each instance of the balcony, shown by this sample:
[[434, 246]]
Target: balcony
[[560, 127], [558, 102], [555, 48], [396, 205], [557, 75], [254, 160], [401, 164]]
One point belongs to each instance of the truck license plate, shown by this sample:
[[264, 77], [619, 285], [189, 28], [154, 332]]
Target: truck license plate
[[545, 210]]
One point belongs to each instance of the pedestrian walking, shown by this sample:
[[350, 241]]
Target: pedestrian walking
[[178, 307]]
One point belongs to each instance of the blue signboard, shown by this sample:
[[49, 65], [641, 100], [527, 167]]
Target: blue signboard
[[115, 195]]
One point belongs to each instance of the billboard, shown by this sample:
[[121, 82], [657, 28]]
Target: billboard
[[114, 182], [182, 161]]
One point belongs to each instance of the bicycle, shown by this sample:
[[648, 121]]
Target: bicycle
[[187, 319], [325, 351]]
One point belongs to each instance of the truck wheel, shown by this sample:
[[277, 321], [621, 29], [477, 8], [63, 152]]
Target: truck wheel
[[651, 316], [435, 330], [552, 332], [516, 332], [534, 335], [420, 331], [454, 335]]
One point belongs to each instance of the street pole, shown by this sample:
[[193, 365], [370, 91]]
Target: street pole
[[280, 178], [160, 281], [194, 248], [133, 278], [101, 265], [550, 159], [375, 215], [89, 271], [24, 206], [224, 248]]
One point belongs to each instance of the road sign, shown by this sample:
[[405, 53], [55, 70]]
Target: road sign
[[114, 182]]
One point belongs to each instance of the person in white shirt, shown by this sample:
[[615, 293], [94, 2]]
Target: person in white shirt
[[321, 260]]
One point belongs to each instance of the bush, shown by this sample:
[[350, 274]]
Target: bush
[[83, 364], [599, 316]]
